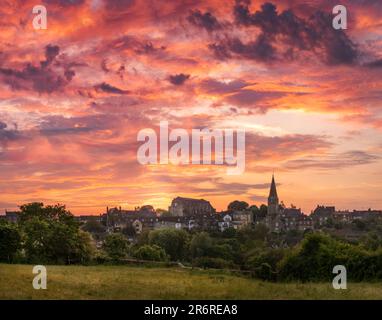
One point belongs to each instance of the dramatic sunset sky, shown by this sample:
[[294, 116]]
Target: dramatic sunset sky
[[73, 98]]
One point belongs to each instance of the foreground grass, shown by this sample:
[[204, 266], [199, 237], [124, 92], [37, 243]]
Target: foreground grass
[[126, 282]]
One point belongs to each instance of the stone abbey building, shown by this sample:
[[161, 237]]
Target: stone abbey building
[[183, 207]]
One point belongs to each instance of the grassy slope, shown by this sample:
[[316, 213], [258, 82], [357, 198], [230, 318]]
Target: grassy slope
[[125, 282]]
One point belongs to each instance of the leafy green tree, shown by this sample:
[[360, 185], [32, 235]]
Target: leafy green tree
[[261, 232], [215, 263], [163, 213], [258, 233], [152, 253], [259, 213], [263, 210], [314, 259], [174, 242], [143, 237], [238, 205], [371, 241], [359, 224], [37, 240], [93, 226], [52, 235], [229, 233], [201, 245], [10, 242], [264, 263], [254, 208], [48, 213], [224, 251], [84, 247], [116, 246], [255, 212]]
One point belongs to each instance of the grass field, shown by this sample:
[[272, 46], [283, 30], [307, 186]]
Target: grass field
[[126, 282]]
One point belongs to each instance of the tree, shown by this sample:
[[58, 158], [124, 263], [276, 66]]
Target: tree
[[254, 208], [229, 233], [163, 213], [201, 245], [263, 210], [315, 257], [173, 241], [10, 241], [371, 241], [84, 248], [359, 224], [261, 232], [238, 205], [116, 246], [93, 226], [52, 235], [36, 240], [264, 262], [152, 253], [48, 213]]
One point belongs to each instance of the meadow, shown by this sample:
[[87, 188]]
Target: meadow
[[127, 282]]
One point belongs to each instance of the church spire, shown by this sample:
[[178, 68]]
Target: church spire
[[273, 191]]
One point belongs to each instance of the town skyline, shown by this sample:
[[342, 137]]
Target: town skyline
[[223, 209]]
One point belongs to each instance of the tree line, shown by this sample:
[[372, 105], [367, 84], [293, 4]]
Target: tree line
[[51, 235]]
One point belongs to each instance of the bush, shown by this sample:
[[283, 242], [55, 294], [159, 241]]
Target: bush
[[266, 256], [265, 272], [152, 253], [264, 263], [215, 263], [318, 254]]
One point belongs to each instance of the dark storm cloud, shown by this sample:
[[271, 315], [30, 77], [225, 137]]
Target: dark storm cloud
[[42, 79], [105, 87], [204, 20], [337, 47], [294, 33], [178, 79], [51, 52], [220, 50], [261, 49]]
